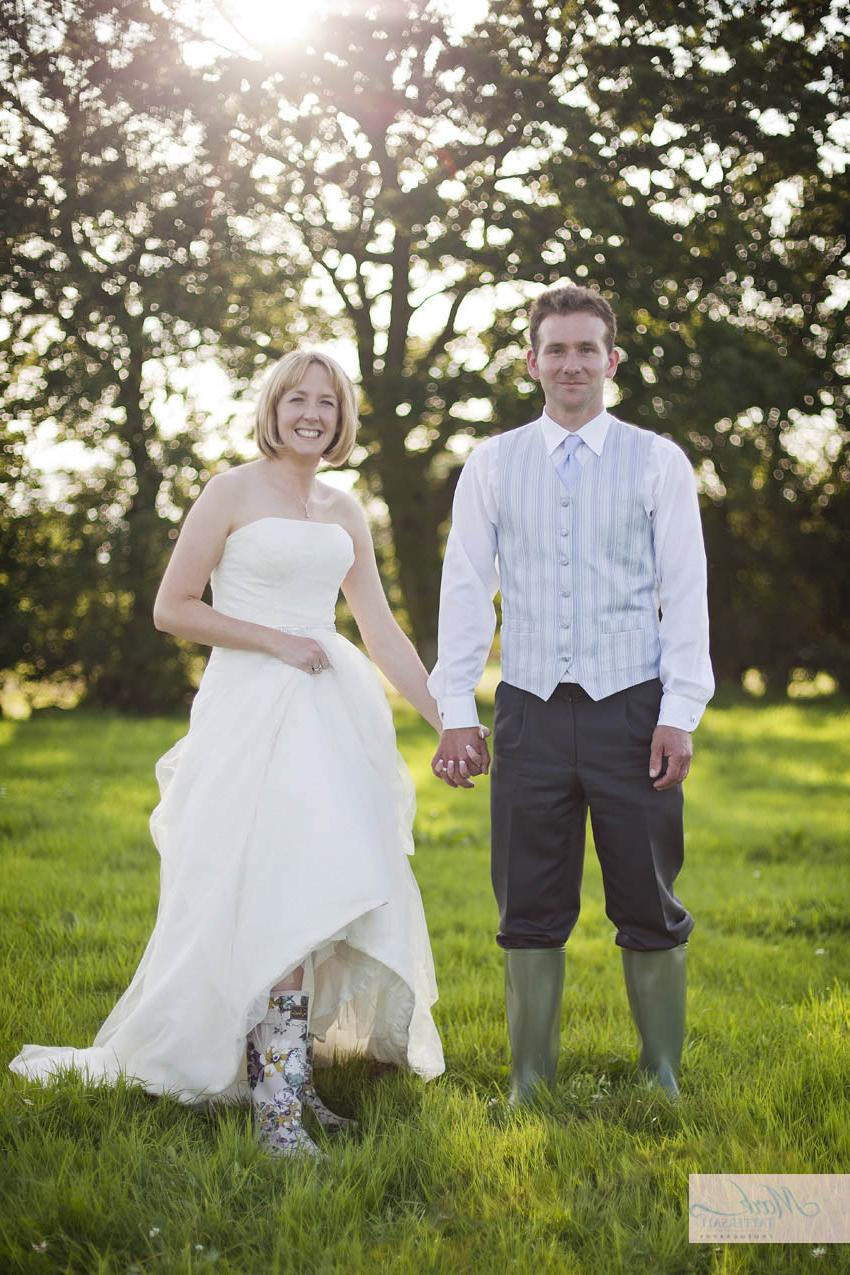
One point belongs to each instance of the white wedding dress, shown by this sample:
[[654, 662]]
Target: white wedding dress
[[284, 826]]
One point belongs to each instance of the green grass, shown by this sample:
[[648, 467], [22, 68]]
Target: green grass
[[439, 1178]]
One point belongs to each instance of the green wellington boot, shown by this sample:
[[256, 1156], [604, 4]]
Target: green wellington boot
[[534, 984], [656, 983]]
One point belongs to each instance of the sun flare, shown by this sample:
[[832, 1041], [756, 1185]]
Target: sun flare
[[269, 22]]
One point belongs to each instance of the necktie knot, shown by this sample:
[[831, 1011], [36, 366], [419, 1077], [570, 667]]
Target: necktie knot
[[568, 465]]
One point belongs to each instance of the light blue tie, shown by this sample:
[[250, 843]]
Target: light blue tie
[[568, 463]]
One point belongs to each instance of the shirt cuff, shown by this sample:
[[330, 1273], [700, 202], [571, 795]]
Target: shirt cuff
[[457, 711], [679, 711]]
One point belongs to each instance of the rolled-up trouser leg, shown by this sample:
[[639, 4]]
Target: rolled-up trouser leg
[[534, 984]]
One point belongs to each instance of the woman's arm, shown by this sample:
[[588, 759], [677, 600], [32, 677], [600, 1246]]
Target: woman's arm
[[387, 645], [179, 608]]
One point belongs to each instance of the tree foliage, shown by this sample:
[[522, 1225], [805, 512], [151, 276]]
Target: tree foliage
[[122, 266], [685, 157]]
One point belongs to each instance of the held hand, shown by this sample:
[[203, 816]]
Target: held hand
[[676, 746], [461, 753], [303, 653]]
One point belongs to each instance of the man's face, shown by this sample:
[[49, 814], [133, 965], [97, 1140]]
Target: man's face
[[572, 363]]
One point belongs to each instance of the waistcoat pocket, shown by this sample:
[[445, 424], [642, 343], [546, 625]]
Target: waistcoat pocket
[[626, 648]]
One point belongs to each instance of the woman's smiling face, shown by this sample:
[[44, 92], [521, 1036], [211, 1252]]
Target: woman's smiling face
[[308, 414]]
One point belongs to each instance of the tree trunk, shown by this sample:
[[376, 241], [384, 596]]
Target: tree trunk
[[144, 671], [415, 518], [419, 566]]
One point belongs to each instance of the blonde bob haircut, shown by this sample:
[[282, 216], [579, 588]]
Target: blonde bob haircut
[[284, 376]]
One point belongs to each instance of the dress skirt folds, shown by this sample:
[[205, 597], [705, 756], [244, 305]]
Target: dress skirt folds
[[284, 828]]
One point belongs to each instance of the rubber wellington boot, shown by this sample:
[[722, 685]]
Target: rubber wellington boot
[[534, 984], [329, 1120], [656, 983], [278, 1072]]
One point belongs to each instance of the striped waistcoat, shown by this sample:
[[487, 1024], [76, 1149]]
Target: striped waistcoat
[[577, 568]]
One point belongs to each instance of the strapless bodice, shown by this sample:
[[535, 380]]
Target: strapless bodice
[[283, 572]]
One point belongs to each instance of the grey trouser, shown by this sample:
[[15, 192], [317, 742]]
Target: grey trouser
[[552, 760]]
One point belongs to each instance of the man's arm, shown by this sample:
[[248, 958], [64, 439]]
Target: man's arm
[[685, 671], [467, 620]]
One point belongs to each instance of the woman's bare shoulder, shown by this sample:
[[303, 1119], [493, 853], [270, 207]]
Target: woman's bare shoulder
[[235, 477], [233, 486], [341, 506], [220, 506]]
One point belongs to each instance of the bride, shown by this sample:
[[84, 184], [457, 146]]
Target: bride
[[288, 910]]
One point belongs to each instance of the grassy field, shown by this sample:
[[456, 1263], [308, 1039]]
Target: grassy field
[[440, 1179]]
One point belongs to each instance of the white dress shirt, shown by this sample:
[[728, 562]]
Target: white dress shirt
[[471, 579]]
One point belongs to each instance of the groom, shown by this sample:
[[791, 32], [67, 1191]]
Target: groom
[[605, 674]]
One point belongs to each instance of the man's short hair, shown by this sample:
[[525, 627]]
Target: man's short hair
[[571, 300]]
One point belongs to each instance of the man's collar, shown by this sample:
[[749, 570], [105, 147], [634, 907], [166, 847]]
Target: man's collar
[[593, 432]]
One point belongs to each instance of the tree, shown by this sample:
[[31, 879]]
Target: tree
[[752, 101], [424, 185], [123, 264], [638, 148]]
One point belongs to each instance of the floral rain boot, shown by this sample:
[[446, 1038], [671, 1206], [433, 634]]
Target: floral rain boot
[[329, 1120], [278, 1071]]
